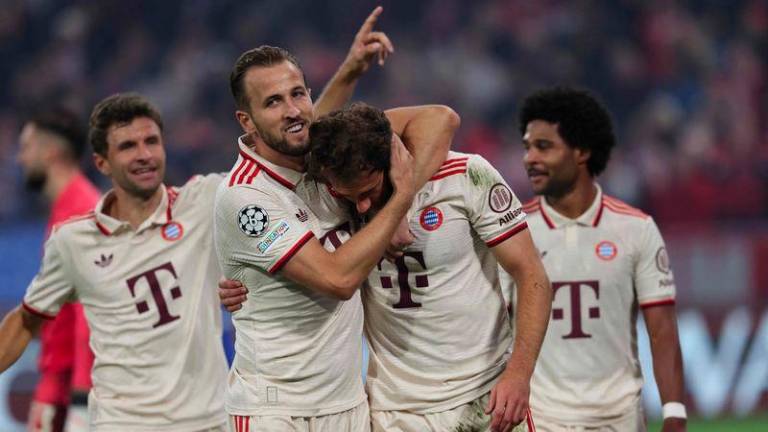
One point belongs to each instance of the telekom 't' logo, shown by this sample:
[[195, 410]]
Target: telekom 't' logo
[[157, 293], [575, 291]]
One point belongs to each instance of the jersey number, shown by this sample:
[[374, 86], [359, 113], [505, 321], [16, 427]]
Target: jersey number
[[157, 293]]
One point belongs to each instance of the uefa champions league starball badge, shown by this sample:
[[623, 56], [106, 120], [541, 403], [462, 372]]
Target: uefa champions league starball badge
[[253, 221]]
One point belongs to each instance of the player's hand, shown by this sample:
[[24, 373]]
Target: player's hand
[[368, 45], [508, 404], [402, 239], [401, 170], [674, 425], [232, 294]]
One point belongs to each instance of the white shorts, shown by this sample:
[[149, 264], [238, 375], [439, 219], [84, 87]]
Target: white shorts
[[470, 416], [632, 421], [353, 420]]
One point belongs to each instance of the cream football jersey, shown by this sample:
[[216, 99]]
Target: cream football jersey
[[435, 318], [297, 352], [602, 265], [151, 302]]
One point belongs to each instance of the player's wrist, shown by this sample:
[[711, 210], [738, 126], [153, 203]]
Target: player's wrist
[[674, 410]]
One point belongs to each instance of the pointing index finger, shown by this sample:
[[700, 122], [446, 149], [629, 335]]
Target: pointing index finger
[[370, 22]]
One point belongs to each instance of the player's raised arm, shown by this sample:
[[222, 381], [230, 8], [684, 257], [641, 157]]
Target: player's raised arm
[[509, 398], [18, 328], [340, 273], [367, 46]]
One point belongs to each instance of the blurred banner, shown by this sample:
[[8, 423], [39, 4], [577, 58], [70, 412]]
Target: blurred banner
[[722, 316]]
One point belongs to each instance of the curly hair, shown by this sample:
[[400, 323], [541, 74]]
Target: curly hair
[[350, 141], [118, 109], [581, 120]]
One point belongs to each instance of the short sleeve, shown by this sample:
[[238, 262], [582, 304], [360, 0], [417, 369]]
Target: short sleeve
[[258, 229], [494, 211], [52, 286], [654, 281]]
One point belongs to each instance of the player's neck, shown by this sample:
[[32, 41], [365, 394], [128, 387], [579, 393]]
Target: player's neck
[[133, 209], [296, 163], [57, 178], [577, 201]]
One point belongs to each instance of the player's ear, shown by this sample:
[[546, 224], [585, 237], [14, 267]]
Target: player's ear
[[246, 122], [582, 155], [102, 164]]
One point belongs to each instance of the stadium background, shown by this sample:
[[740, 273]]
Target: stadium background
[[686, 81]]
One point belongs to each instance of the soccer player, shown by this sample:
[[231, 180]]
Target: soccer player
[[298, 346], [50, 146], [435, 318], [141, 264], [606, 261]]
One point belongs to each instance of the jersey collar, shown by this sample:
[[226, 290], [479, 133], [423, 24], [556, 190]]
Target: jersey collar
[[590, 218], [285, 176], [109, 225]]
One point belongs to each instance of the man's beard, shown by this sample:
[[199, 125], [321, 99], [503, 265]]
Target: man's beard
[[281, 145], [35, 181]]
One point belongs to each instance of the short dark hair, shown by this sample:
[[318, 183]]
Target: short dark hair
[[263, 56], [582, 121], [65, 124], [118, 109], [350, 141]]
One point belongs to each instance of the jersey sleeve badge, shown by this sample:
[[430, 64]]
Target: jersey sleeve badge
[[253, 220]]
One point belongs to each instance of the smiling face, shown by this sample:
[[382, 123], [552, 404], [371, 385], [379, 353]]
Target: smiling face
[[280, 108], [552, 165], [135, 157]]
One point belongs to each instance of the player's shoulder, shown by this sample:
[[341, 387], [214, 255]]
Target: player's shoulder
[[618, 209], [76, 226], [532, 206], [455, 164], [197, 186]]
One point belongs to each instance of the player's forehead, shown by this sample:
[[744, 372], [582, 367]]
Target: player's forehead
[[138, 129], [262, 82], [541, 130], [364, 182]]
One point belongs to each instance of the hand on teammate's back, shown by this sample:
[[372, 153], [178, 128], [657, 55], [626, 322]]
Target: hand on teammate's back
[[369, 44], [232, 294]]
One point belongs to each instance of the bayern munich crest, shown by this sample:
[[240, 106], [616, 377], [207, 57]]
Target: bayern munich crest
[[431, 218], [172, 231], [253, 221], [606, 250]]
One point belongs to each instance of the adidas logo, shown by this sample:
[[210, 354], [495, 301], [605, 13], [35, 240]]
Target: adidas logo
[[104, 261], [302, 215]]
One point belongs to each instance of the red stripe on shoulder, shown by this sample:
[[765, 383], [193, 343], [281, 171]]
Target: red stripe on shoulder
[[291, 252], [36, 312], [664, 302], [444, 174], [626, 212], [462, 159], [532, 206], [620, 206]]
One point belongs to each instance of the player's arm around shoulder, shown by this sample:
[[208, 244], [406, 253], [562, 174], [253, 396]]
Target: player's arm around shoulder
[[427, 131]]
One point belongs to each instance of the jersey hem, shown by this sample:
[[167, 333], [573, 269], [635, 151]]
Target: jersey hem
[[174, 426], [444, 406], [296, 412]]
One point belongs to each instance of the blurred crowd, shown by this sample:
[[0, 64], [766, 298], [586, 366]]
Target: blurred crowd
[[686, 81]]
